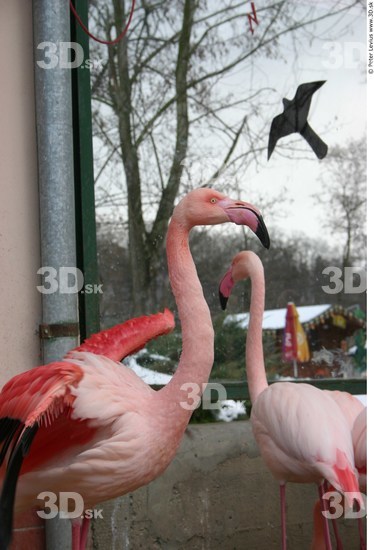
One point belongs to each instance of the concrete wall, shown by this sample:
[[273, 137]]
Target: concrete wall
[[20, 302], [217, 493]]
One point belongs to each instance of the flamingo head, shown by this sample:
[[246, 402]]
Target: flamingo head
[[243, 266], [209, 207]]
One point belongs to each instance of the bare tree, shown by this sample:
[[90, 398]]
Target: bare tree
[[344, 199], [162, 91]]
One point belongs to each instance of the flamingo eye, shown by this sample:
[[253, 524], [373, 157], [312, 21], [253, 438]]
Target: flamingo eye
[[213, 200]]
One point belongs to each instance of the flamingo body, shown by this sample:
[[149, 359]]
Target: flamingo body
[[117, 451], [355, 415], [301, 431], [296, 442], [44, 395]]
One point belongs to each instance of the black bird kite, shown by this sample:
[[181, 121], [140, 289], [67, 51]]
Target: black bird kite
[[295, 119]]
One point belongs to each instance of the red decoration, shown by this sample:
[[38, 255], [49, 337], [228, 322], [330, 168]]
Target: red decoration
[[252, 17]]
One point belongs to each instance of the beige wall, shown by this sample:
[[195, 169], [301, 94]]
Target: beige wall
[[19, 217]]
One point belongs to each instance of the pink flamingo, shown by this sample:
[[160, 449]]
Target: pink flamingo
[[90, 425], [301, 432], [351, 408], [115, 343], [355, 414]]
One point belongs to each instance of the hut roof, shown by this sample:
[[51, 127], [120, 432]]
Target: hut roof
[[274, 319]]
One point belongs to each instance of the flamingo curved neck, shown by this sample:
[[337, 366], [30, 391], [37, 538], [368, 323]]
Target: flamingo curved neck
[[256, 374], [197, 355]]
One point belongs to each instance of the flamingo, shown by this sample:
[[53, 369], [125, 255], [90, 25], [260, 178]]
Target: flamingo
[[116, 343], [355, 414], [301, 432], [90, 425], [351, 408]]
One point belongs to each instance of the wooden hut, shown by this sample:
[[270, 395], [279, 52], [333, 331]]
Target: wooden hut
[[332, 332]]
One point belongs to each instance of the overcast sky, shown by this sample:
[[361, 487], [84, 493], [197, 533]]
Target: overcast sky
[[337, 114]]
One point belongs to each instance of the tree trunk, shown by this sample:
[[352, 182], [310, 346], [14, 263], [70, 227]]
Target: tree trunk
[[145, 249], [138, 244], [166, 205]]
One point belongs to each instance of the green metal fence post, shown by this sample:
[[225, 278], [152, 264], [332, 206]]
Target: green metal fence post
[[89, 318]]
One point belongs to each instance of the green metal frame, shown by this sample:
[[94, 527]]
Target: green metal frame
[[89, 314]]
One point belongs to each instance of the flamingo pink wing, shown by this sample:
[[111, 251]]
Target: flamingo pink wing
[[35, 407], [128, 337], [39, 392], [41, 398]]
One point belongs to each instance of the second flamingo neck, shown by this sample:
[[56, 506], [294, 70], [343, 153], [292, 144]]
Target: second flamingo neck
[[256, 374]]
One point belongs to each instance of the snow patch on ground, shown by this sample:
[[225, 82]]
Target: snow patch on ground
[[230, 410], [154, 356], [149, 376]]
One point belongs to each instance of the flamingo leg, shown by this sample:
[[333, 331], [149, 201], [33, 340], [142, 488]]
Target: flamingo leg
[[339, 544], [362, 535], [84, 533], [324, 507], [75, 534], [282, 488]]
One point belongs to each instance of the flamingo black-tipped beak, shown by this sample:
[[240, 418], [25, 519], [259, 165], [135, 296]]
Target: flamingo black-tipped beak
[[243, 213], [223, 300], [225, 288], [262, 232]]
